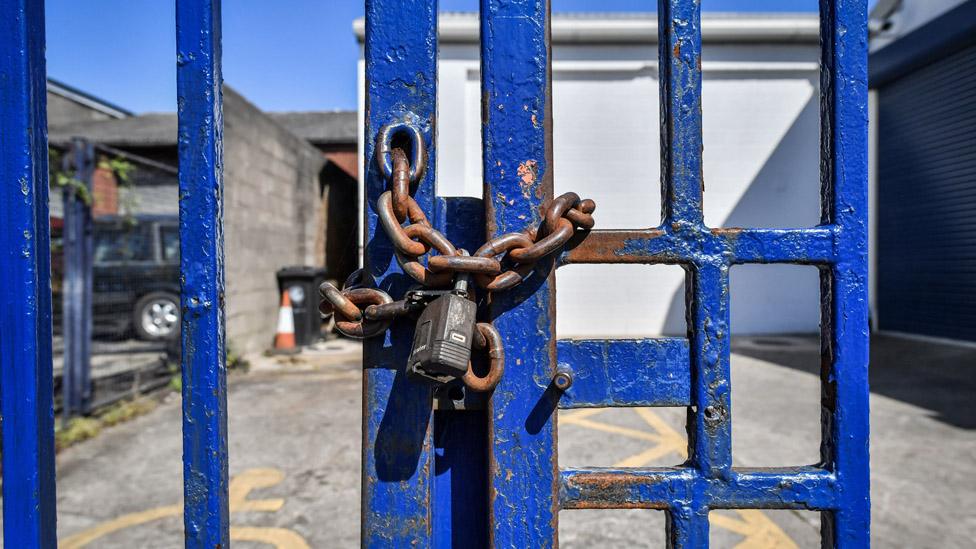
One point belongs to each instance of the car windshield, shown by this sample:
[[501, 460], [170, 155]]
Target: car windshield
[[115, 243]]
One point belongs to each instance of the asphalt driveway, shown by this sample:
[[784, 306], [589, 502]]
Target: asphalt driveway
[[294, 446]]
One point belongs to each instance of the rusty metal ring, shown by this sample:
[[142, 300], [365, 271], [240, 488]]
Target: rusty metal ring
[[507, 280], [581, 216], [496, 247], [496, 353], [400, 184], [432, 238], [503, 243], [335, 302], [464, 264], [557, 209], [364, 328], [415, 269], [384, 149], [401, 238], [422, 274], [552, 242]]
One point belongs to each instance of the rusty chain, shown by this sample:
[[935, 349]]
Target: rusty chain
[[500, 264]]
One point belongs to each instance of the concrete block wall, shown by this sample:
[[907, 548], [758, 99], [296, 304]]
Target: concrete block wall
[[270, 215]]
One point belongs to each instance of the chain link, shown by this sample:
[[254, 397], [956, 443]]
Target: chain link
[[500, 264]]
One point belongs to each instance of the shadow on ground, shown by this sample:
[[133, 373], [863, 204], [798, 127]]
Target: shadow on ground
[[934, 376]]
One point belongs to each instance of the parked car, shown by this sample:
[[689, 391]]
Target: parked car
[[136, 277]]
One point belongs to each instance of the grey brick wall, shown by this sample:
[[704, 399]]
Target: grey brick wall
[[270, 215]]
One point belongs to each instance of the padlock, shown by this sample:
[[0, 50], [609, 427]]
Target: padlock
[[442, 340]]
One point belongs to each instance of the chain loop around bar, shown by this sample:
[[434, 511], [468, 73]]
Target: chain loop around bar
[[488, 339], [348, 305], [562, 218]]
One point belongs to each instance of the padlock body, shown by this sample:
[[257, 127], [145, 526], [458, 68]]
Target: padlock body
[[442, 340]]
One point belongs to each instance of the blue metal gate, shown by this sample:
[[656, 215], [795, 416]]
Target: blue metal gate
[[475, 472]]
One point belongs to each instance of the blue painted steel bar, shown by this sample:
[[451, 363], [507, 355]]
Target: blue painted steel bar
[[76, 309], [518, 179], [25, 282], [667, 488], [653, 246], [401, 61], [844, 314], [625, 372], [202, 273], [679, 58], [459, 492]]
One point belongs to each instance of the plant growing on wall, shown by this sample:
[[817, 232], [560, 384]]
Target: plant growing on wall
[[67, 178]]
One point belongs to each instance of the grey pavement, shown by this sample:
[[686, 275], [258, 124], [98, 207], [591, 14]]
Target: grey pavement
[[295, 463]]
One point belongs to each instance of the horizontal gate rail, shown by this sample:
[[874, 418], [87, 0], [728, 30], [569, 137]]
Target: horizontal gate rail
[[25, 281], [656, 372], [206, 515]]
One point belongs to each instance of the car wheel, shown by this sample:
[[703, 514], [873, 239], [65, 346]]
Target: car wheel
[[157, 316]]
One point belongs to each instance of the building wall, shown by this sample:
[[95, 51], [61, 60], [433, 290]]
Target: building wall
[[761, 168], [270, 215]]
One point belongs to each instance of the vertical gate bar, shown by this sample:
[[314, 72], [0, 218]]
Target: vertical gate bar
[[679, 53], [844, 40], [87, 289], [710, 428], [25, 282], [687, 528], [517, 141], [202, 273], [401, 62]]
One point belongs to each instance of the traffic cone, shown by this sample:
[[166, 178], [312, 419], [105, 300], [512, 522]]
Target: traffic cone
[[284, 341]]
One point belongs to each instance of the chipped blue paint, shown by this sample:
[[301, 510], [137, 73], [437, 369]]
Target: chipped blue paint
[[622, 373], [838, 246], [625, 372], [25, 282], [844, 283], [202, 273], [518, 179], [401, 56]]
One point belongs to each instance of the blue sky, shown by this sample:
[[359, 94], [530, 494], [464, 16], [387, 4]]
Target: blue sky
[[296, 55]]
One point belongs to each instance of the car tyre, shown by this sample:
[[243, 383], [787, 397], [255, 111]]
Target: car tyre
[[156, 317]]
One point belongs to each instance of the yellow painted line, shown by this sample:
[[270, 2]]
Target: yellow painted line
[[253, 479], [607, 428], [759, 531], [125, 521], [645, 457], [670, 437], [239, 489], [756, 528]]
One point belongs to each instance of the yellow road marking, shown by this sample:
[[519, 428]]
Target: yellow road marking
[[757, 529], [125, 521], [575, 419], [240, 487], [253, 479]]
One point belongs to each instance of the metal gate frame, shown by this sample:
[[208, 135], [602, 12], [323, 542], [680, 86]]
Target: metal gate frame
[[423, 483], [498, 481]]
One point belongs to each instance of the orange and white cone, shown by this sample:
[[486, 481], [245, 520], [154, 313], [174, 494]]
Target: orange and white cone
[[285, 335]]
